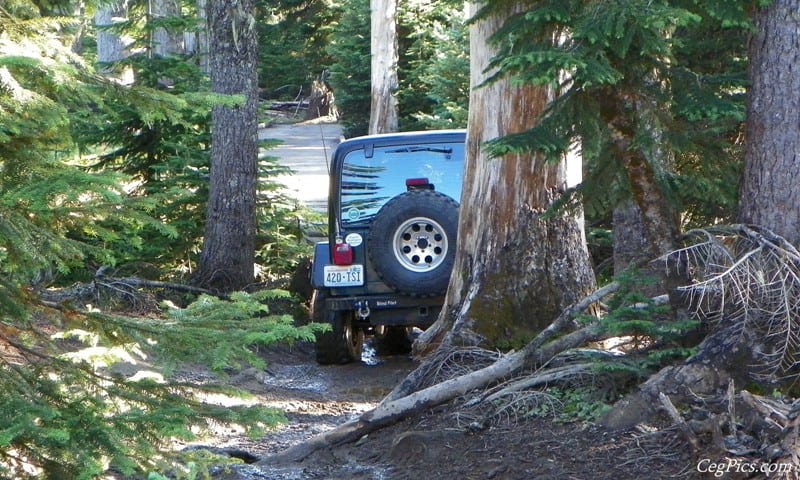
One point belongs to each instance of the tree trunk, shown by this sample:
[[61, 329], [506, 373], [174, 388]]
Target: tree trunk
[[228, 253], [515, 269], [630, 243], [719, 359], [196, 42], [769, 195], [632, 251], [383, 108], [659, 221], [768, 198], [320, 102], [112, 47], [163, 41]]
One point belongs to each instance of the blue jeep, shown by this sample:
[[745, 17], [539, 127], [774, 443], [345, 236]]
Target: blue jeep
[[392, 223]]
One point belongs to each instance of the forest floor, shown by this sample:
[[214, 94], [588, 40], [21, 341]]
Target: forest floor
[[438, 444]]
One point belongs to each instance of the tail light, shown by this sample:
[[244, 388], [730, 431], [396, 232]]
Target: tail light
[[342, 252], [418, 183]]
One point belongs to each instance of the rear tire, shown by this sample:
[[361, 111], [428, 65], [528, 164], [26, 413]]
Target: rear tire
[[342, 344]]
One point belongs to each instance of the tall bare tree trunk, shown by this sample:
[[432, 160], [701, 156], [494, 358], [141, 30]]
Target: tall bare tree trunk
[[383, 107], [163, 41], [112, 47], [515, 270], [769, 195], [228, 253], [196, 42]]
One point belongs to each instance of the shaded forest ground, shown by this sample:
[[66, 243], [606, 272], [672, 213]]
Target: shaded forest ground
[[442, 443]]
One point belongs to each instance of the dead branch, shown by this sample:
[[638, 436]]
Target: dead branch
[[749, 277], [538, 379], [773, 411], [125, 286], [133, 282], [676, 417], [394, 408]]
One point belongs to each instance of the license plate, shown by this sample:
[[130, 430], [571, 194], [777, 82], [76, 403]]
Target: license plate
[[343, 276]]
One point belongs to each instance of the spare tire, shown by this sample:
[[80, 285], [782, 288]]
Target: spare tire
[[412, 242]]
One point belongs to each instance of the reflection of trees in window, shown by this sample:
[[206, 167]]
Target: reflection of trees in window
[[361, 171], [360, 179], [360, 190], [369, 183]]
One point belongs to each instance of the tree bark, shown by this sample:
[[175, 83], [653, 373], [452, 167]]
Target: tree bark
[[228, 255], [633, 252], [112, 47], [630, 242], [515, 268], [163, 41], [659, 221], [383, 107], [769, 195], [196, 42]]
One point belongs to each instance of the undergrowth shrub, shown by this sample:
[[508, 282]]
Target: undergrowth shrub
[[68, 408]]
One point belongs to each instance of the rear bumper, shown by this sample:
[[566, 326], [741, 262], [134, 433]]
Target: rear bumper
[[390, 311], [374, 308]]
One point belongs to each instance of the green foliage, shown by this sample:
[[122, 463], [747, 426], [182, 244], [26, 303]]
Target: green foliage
[[292, 45], [565, 405], [642, 339], [160, 139], [671, 70], [631, 314], [281, 220], [97, 173], [54, 215], [245, 320], [349, 49], [64, 410], [434, 66], [193, 464]]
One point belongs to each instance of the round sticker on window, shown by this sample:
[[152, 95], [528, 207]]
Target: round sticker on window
[[353, 239], [353, 214]]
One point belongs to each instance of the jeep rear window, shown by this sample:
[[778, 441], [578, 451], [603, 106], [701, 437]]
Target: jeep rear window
[[368, 183]]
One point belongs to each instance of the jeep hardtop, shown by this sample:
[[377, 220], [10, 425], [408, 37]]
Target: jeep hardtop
[[392, 223]]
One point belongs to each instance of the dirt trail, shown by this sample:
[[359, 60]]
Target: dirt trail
[[306, 149], [315, 399], [445, 443]]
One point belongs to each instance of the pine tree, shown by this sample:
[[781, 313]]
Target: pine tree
[[434, 65], [293, 39], [350, 72], [666, 76], [64, 411]]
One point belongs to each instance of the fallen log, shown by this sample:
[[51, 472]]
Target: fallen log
[[395, 407], [79, 292]]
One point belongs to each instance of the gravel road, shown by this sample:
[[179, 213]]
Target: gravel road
[[306, 149]]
